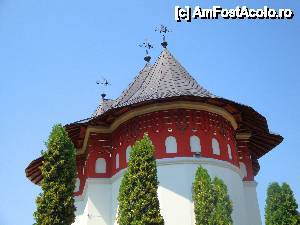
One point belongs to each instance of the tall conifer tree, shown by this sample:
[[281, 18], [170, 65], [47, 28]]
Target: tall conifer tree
[[138, 201], [281, 206], [55, 204], [203, 196], [223, 206], [212, 205]]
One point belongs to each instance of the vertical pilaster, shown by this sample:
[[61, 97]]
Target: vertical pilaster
[[242, 140], [252, 207]]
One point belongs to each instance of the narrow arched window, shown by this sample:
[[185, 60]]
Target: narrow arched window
[[195, 144], [243, 169], [215, 146], [229, 151], [171, 144], [77, 185], [117, 161], [128, 150], [100, 165]]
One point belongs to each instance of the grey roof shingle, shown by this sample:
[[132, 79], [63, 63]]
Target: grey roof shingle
[[166, 78], [104, 105], [133, 87]]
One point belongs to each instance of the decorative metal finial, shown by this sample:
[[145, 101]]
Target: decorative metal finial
[[147, 45], [104, 83], [164, 30]]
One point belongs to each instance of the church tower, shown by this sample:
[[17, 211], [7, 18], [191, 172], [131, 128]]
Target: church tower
[[189, 127]]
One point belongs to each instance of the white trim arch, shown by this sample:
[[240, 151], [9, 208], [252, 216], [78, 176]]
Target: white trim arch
[[100, 165], [128, 150], [229, 151], [171, 144], [215, 146], [195, 144], [117, 161]]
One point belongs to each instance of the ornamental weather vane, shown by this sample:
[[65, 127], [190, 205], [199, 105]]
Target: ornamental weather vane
[[147, 45], [163, 30], [104, 83]]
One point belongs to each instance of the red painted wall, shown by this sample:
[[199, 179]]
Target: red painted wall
[[179, 123]]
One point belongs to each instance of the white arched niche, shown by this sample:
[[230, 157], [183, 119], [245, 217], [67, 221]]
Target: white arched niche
[[195, 144], [117, 161], [100, 165], [215, 146], [171, 144], [77, 185], [128, 150], [243, 169], [229, 151]]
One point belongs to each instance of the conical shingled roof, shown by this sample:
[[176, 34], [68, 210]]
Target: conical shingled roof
[[166, 78], [104, 105]]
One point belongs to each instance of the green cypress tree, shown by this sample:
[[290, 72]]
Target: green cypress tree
[[212, 205], [290, 205], [281, 206], [55, 204], [223, 206], [138, 201], [203, 196], [125, 215], [272, 215]]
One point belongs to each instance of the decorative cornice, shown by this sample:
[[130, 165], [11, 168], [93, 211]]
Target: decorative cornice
[[154, 108], [243, 136], [194, 160]]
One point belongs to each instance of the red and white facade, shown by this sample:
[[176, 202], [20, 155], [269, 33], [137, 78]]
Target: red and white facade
[[188, 127]]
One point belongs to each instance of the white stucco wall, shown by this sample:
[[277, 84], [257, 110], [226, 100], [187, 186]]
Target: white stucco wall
[[93, 207], [252, 207], [81, 210], [175, 190], [116, 181], [98, 204]]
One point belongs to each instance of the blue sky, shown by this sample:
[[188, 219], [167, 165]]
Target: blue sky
[[52, 52]]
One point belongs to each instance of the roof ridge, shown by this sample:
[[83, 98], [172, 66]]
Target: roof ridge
[[122, 96], [168, 65]]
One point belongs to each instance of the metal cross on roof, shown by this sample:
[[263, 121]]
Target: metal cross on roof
[[163, 30], [147, 45], [104, 83]]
